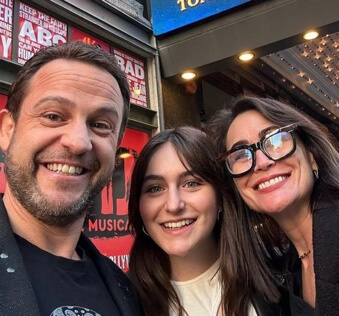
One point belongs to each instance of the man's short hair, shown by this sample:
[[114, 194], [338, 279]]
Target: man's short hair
[[76, 51]]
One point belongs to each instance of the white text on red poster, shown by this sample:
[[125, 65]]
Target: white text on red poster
[[6, 21], [36, 31], [134, 69]]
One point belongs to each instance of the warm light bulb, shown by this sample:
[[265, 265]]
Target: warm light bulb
[[137, 91], [125, 155], [188, 75], [311, 35], [246, 56]]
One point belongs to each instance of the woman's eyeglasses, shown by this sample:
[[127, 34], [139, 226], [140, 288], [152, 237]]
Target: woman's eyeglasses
[[276, 145]]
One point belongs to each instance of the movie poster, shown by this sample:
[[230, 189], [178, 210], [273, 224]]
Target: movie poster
[[6, 23], [108, 225], [134, 69], [78, 35], [37, 30]]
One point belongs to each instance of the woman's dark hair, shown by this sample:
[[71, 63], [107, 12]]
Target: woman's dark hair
[[264, 239], [150, 267], [74, 51]]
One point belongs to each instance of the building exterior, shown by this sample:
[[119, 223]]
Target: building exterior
[[207, 37], [123, 28], [203, 36]]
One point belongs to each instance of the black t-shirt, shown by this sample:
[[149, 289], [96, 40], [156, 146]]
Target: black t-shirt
[[64, 286]]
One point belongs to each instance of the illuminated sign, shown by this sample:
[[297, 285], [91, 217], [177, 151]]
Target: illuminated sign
[[169, 15]]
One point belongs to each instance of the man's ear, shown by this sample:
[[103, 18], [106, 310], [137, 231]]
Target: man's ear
[[7, 126]]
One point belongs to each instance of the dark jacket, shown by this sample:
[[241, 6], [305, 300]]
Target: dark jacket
[[268, 309], [326, 253], [326, 260], [17, 297]]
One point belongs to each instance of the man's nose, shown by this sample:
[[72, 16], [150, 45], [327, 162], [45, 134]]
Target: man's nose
[[76, 138], [262, 162], [175, 202]]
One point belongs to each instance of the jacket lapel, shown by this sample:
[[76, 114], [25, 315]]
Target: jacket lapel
[[16, 292]]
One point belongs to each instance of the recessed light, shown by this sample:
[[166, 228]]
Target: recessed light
[[246, 56], [310, 35], [123, 153], [188, 75]]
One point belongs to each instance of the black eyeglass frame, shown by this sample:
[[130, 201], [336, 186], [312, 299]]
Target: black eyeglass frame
[[259, 145]]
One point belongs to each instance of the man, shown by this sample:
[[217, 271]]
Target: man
[[65, 116]]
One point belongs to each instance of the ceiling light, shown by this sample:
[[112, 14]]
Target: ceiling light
[[310, 35], [246, 56], [188, 75]]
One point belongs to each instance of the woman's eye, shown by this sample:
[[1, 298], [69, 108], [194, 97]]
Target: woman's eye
[[155, 189], [191, 184]]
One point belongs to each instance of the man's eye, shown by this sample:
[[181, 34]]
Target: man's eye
[[53, 117], [102, 126]]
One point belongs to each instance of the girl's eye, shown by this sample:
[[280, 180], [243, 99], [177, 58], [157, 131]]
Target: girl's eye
[[155, 189], [191, 184]]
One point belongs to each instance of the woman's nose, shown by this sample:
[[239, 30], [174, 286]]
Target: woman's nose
[[175, 202], [262, 162]]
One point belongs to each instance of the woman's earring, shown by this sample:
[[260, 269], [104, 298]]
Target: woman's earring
[[218, 215], [144, 230], [316, 173]]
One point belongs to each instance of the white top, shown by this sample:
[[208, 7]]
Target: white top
[[201, 296]]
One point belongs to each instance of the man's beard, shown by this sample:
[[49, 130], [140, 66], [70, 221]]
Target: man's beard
[[24, 186]]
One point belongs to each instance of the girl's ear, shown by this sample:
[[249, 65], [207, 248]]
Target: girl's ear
[[7, 126]]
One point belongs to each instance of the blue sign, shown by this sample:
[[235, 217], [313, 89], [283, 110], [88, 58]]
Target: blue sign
[[169, 15]]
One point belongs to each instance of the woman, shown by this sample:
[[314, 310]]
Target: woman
[[284, 170], [177, 210]]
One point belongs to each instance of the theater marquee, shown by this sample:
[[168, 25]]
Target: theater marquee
[[169, 15]]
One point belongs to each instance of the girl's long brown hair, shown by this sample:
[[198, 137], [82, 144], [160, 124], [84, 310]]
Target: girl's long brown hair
[[150, 268]]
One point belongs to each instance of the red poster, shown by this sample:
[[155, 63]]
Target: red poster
[[37, 30], [78, 35], [3, 100], [108, 225], [6, 22], [134, 69]]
